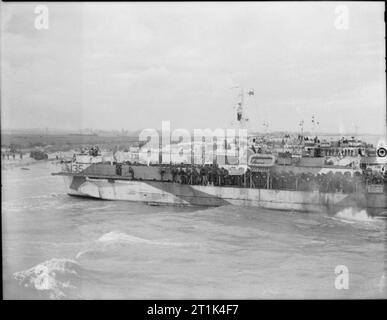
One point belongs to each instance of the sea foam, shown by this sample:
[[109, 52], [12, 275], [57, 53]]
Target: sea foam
[[354, 215], [52, 278]]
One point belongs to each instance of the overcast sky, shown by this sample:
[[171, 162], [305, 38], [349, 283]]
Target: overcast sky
[[132, 65]]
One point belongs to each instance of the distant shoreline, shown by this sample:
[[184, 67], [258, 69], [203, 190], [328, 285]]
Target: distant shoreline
[[9, 164], [67, 142]]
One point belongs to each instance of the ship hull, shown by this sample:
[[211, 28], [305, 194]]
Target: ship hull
[[158, 193]]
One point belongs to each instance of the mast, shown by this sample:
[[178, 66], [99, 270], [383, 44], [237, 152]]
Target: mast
[[302, 127], [240, 109], [241, 118], [242, 102], [385, 127]]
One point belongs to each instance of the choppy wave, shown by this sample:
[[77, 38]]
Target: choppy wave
[[99, 208], [354, 215], [9, 180], [121, 237], [115, 239], [43, 196], [53, 279], [45, 201], [116, 236]]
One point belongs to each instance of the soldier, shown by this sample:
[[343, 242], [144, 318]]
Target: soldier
[[223, 176], [162, 173], [131, 172], [209, 173], [195, 175], [174, 172], [214, 175], [192, 174], [249, 177], [219, 174], [188, 176], [182, 176], [202, 175], [226, 177], [205, 175]]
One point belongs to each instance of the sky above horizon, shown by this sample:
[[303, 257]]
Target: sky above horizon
[[131, 65]]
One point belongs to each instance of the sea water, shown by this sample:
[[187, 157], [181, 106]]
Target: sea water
[[60, 247]]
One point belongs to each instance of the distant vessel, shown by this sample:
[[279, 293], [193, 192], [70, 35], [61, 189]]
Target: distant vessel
[[296, 177]]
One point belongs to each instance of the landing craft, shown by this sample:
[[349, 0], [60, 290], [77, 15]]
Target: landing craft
[[253, 185], [304, 175]]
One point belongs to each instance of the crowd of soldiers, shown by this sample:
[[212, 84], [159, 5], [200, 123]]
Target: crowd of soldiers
[[209, 174], [323, 182], [6, 155], [213, 174], [326, 182]]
